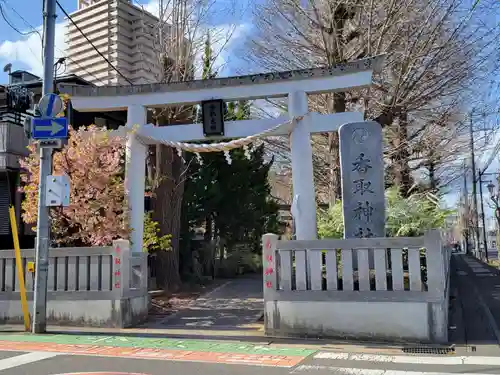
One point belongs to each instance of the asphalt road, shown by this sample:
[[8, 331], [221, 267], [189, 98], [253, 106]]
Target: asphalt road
[[71, 364], [321, 363]]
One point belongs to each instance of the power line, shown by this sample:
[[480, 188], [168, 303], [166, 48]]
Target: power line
[[60, 51], [82, 68], [16, 29], [23, 19], [92, 44], [8, 22]]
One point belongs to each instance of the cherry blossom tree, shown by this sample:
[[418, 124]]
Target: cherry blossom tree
[[95, 164]]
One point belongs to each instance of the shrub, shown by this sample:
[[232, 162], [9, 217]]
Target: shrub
[[405, 217]]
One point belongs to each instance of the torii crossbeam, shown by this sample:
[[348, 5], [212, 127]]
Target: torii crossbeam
[[292, 84]]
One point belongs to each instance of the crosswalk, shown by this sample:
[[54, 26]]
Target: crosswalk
[[357, 371], [24, 359], [477, 268], [374, 364]]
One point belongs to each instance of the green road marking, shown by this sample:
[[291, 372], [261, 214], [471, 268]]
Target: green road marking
[[158, 343]]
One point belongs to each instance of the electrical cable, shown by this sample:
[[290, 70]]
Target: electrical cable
[[4, 16], [35, 30], [60, 51], [83, 68], [92, 44]]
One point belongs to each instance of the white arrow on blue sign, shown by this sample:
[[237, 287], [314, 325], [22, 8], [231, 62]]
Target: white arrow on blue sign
[[50, 128]]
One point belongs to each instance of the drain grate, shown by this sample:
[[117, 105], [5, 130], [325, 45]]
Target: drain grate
[[429, 350]]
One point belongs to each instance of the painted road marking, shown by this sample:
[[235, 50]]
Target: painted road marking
[[458, 360], [155, 353], [481, 270], [161, 343], [101, 373], [24, 359], [362, 371]]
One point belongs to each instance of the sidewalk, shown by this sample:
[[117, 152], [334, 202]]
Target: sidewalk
[[475, 304]]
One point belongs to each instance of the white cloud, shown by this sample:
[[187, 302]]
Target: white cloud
[[28, 50]]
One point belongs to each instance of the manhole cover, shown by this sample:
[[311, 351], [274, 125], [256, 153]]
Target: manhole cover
[[428, 350]]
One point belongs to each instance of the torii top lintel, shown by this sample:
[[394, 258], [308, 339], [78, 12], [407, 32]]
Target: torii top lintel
[[339, 77]]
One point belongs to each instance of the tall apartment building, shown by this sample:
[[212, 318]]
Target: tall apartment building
[[123, 32]]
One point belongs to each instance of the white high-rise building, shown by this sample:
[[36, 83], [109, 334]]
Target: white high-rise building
[[123, 32]]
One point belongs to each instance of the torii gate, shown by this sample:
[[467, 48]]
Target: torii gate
[[292, 84]]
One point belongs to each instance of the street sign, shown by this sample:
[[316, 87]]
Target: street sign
[[50, 143], [49, 128], [50, 105]]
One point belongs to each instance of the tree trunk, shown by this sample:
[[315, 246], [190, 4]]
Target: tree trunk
[[401, 155], [335, 187], [433, 180], [167, 204], [208, 228]]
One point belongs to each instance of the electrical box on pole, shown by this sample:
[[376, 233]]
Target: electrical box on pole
[[57, 188]]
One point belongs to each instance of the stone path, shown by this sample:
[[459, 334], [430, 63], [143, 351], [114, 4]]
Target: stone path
[[236, 304]]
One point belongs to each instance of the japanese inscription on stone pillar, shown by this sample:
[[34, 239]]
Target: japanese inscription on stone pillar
[[362, 171]]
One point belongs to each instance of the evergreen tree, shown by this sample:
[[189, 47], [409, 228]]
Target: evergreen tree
[[235, 198], [208, 60]]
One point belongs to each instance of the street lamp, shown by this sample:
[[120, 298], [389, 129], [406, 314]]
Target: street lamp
[[491, 189], [495, 198]]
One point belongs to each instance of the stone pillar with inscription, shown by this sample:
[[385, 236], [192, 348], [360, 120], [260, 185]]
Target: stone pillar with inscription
[[362, 172]]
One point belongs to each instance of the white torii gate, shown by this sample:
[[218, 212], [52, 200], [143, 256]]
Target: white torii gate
[[292, 84]]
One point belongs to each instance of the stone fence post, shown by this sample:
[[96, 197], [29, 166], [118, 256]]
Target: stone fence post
[[269, 266], [436, 284], [121, 267]]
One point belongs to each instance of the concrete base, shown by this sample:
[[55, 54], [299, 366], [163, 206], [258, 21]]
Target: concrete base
[[117, 313], [380, 321]]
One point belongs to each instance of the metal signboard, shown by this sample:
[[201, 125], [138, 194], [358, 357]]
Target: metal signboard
[[49, 128], [50, 105]]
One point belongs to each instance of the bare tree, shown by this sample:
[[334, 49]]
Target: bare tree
[[178, 39], [435, 49]]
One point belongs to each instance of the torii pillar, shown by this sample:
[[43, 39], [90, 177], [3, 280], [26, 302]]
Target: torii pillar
[[304, 214], [135, 176]]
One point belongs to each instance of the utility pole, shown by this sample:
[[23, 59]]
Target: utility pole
[[43, 223], [466, 212], [485, 238], [474, 188]]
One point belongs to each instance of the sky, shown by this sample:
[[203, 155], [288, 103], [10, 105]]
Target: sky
[[24, 51]]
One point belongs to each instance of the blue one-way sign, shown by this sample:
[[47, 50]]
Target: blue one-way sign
[[49, 128]]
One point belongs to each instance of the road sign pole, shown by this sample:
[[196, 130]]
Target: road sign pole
[[43, 224]]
